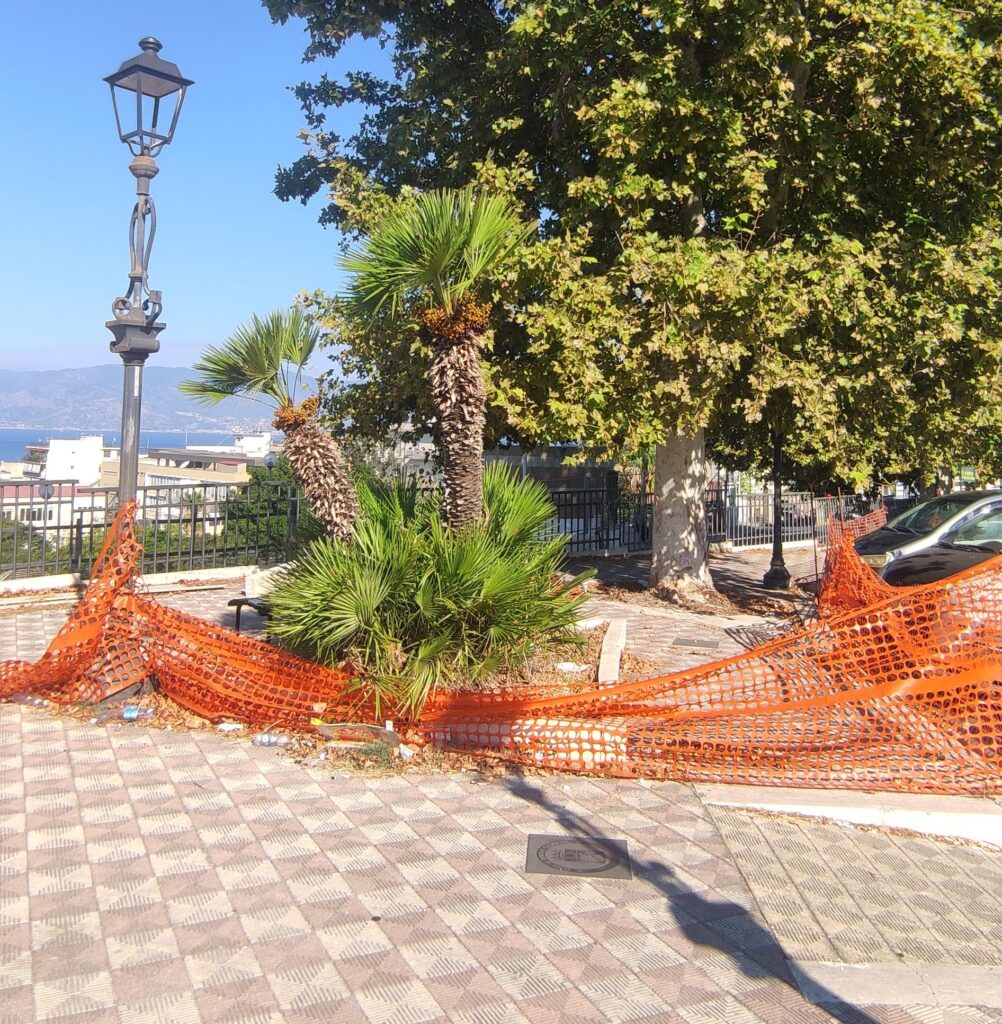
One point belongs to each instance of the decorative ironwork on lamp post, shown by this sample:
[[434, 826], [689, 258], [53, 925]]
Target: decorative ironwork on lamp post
[[156, 89]]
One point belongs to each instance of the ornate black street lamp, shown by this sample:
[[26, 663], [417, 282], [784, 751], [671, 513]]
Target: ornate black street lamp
[[147, 93], [778, 576]]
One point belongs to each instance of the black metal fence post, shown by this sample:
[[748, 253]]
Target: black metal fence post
[[77, 555]]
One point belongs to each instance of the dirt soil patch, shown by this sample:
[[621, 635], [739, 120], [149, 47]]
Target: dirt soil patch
[[375, 759], [718, 602]]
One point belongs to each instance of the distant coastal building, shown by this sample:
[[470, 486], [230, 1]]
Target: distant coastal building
[[201, 464], [88, 462], [74, 481], [76, 460]]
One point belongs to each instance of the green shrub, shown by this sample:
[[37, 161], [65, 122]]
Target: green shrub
[[421, 606]]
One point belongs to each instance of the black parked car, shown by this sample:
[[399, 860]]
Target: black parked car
[[966, 545], [922, 526]]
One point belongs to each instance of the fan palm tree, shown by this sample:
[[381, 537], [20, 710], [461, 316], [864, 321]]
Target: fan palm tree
[[436, 253], [264, 361]]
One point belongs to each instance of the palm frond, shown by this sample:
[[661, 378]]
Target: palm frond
[[437, 247], [422, 606], [264, 357]]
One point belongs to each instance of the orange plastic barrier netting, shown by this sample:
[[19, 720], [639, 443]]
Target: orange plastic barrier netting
[[846, 583], [116, 637], [858, 527], [99, 650], [220, 674], [904, 694]]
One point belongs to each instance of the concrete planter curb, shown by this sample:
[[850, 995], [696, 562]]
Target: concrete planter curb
[[949, 817]]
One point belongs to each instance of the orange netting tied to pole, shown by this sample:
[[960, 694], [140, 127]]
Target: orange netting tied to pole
[[904, 693], [117, 636], [846, 583]]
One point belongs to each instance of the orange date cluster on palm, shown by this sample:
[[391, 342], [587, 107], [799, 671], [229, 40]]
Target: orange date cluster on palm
[[290, 417], [468, 317]]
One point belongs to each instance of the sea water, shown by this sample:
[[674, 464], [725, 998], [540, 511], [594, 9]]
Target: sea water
[[14, 440]]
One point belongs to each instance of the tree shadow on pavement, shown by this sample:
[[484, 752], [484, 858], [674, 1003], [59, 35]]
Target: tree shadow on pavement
[[724, 926], [751, 637]]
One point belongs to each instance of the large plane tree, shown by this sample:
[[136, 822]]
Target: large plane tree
[[784, 211]]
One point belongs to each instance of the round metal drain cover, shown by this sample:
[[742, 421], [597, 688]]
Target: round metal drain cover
[[566, 855]]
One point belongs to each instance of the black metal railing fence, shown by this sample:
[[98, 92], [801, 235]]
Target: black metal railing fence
[[206, 525], [597, 520], [60, 529]]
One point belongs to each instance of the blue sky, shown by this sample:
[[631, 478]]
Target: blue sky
[[225, 246]]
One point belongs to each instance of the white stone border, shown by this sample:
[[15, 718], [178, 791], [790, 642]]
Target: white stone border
[[613, 644], [951, 817], [899, 984], [70, 583]]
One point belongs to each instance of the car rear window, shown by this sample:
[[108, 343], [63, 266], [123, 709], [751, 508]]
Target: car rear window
[[930, 515]]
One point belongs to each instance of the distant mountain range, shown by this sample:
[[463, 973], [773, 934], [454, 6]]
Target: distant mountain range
[[91, 399]]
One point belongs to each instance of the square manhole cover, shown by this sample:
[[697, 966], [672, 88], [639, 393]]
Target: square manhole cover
[[576, 855]]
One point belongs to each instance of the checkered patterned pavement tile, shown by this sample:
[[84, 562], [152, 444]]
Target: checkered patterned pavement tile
[[152, 877], [865, 896]]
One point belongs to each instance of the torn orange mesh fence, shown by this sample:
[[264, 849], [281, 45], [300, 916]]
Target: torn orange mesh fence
[[99, 650], [116, 637], [858, 527], [847, 583], [905, 693]]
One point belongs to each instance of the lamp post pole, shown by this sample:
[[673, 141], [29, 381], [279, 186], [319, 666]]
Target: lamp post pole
[[135, 327], [778, 576], [157, 88]]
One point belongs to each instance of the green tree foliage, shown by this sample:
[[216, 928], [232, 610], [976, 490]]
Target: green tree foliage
[[257, 516], [20, 546], [251, 524], [781, 213], [167, 547], [422, 606]]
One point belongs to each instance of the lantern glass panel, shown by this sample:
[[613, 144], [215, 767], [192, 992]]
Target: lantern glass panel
[[146, 121]]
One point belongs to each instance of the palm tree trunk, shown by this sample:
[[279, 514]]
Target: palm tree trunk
[[457, 389], [321, 470]]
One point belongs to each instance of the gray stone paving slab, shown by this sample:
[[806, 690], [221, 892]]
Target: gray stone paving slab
[[147, 876], [860, 896], [740, 571], [940, 984], [654, 633]]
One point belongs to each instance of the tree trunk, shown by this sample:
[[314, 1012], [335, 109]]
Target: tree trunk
[[457, 389], [678, 560], [678, 538], [928, 485], [321, 470]]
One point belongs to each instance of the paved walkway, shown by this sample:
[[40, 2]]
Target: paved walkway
[[667, 637], [672, 639], [740, 571], [26, 630], [147, 876]]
